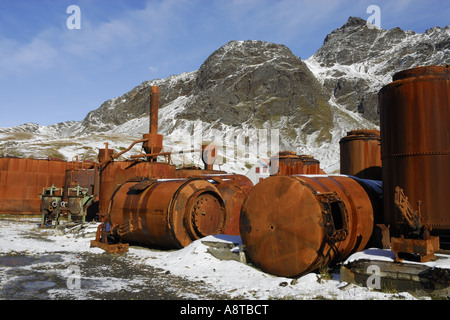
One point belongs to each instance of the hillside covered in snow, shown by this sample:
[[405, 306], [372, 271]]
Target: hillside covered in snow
[[246, 96]]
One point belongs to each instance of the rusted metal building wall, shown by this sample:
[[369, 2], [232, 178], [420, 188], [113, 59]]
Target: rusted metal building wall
[[360, 154], [415, 140], [22, 180]]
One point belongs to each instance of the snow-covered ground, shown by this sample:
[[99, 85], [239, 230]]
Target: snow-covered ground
[[193, 263]]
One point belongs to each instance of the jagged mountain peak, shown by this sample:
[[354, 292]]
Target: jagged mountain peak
[[254, 84], [357, 59], [235, 56]]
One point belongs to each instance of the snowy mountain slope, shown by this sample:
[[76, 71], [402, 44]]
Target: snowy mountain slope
[[358, 59], [246, 95]]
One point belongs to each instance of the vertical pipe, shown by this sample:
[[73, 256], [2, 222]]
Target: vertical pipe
[[154, 106]]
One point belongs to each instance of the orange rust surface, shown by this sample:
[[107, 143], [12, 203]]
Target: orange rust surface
[[22, 180], [285, 231], [360, 154], [118, 172], [289, 163], [173, 212], [415, 141]]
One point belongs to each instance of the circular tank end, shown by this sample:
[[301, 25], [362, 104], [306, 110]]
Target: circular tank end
[[281, 226], [205, 215]]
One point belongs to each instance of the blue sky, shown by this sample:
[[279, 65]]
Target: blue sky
[[50, 73]]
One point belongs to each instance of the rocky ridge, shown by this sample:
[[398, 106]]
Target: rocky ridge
[[246, 86]]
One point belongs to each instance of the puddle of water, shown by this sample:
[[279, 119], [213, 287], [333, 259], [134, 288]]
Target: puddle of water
[[38, 285], [24, 260]]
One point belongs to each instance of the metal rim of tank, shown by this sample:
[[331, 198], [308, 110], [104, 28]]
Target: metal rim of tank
[[182, 215]]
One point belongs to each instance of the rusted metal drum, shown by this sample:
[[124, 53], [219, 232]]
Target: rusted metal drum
[[360, 154], [288, 163], [234, 189], [117, 172], [415, 141], [22, 180], [166, 213], [291, 225]]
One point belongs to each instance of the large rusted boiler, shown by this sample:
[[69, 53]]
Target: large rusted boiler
[[291, 225], [415, 141], [234, 189], [153, 203], [166, 213]]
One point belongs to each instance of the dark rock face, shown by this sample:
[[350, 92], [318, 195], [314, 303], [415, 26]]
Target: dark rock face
[[261, 85], [255, 82], [357, 59], [252, 82]]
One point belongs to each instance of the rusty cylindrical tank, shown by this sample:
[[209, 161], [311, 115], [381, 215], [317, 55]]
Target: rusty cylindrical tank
[[291, 225], [118, 172], [172, 212], [234, 189], [360, 154], [288, 163], [415, 141]]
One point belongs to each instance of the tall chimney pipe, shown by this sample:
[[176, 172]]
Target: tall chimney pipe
[[154, 106], [154, 144]]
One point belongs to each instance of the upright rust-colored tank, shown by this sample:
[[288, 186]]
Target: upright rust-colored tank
[[415, 141], [291, 225], [22, 180], [288, 163], [360, 154], [166, 213]]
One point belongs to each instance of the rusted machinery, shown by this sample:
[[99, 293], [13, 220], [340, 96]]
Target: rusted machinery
[[164, 213], [360, 154], [234, 189], [291, 225], [51, 199], [73, 200], [153, 203], [415, 141], [288, 163]]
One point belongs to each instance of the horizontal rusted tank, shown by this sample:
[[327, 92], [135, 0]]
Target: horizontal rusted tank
[[117, 172], [166, 213], [22, 180], [360, 154], [288, 163], [291, 225], [415, 141], [234, 189]]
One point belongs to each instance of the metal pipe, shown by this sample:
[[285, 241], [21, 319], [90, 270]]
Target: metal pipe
[[154, 106]]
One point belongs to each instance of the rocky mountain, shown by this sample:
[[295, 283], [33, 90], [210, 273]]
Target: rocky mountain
[[246, 94], [358, 59]]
